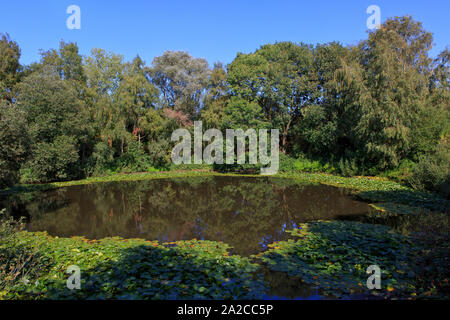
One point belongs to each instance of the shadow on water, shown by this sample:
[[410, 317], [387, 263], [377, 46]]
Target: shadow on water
[[145, 272], [283, 287], [411, 198]]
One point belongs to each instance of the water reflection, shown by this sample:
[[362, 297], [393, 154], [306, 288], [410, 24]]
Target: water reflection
[[246, 213]]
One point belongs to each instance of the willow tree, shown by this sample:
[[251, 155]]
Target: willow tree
[[104, 72], [135, 96], [212, 113], [396, 71], [182, 81]]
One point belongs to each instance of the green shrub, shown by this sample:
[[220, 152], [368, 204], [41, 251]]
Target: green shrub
[[102, 159], [306, 165], [159, 154], [302, 164], [287, 164], [19, 264], [348, 168], [401, 173], [54, 161], [432, 173], [14, 144], [238, 168], [135, 159]]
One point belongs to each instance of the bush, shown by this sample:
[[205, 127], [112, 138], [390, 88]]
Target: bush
[[401, 173], [102, 159], [287, 164], [159, 154], [238, 168], [54, 161], [14, 144], [135, 159], [432, 173], [19, 264], [306, 165], [348, 168], [302, 164]]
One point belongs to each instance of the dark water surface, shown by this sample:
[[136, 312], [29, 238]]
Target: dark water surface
[[246, 213]]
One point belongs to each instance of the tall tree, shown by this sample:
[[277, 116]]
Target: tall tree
[[216, 100], [14, 143], [280, 79], [396, 70], [56, 124], [9, 67], [135, 96], [104, 72], [326, 125], [182, 80]]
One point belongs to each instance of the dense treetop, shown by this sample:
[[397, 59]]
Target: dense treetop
[[364, 109]]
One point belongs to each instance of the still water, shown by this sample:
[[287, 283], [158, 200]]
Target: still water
[[246, 213]]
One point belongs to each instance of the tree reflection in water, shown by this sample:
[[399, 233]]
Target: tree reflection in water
[[246, 213]]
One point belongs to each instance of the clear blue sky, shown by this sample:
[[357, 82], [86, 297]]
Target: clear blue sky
[[215, 30]]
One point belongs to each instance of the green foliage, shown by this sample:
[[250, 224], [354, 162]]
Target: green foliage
[[241, 114], [14, 143], [287, 164], [395, 94], [279, 79], [181, 80], [318, 132], [159, 156], [433, 126], [102, 158], [432, 173], [52, 108], [54, 161], [303, 164], [334, 257], [135, 159], [348, 167], [115, 268], [56, 127], [66, 62], [358, 110], [401, 173], [9, 67], [238, 168], [19, 263]]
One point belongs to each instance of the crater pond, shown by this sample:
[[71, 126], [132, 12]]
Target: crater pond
[[247, 213]]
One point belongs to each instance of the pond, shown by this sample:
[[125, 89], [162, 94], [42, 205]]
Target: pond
[[246, 213]]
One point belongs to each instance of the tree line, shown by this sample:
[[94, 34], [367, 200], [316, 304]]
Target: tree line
[[379, 106]]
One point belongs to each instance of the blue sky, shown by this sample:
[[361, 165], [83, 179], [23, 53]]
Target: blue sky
[[215, 30]]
